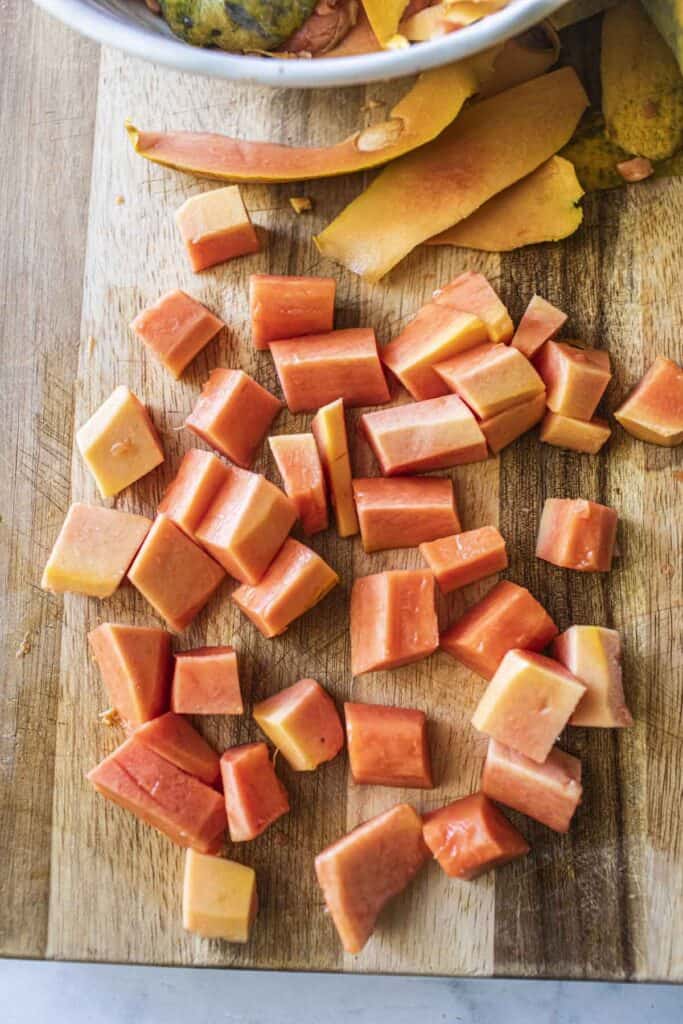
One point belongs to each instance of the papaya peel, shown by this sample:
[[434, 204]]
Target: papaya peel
[[489, 147], [384, 16], [668, 17], [543, 207]]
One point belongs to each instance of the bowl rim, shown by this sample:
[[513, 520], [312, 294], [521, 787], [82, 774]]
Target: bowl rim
[[107, 29]]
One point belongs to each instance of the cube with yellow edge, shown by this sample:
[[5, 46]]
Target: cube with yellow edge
[[329, 430], [219, 897], [303, 723], [119, 442]]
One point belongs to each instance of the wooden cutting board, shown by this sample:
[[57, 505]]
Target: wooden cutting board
[[82, 879]]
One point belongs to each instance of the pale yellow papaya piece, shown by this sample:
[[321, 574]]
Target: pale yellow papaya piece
[[384, 16], [668, 17], [543, 207], [491, 146], [642, 85]]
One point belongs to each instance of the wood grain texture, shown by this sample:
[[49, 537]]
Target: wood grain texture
[[88, 881]]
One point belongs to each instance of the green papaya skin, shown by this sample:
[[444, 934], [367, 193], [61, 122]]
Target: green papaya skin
[[236, 25]]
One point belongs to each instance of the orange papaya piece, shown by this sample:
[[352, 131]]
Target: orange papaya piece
[[654, 410], [384, 16], [219, 897], [199, 478], [491, 378], [215, 227], [576, 435], [302, 722], [575, 378], [288, 307], [471, 836], [465, 557], [388, 746], [577, 534], [548, 792], [298, 460], [505, 427], [472, 293], [135, 665], [540, 323], [175, 329], [254, 796], [405, 511], [329, 431], [172, 737], [393, 620], [593, 655], [206, 682]]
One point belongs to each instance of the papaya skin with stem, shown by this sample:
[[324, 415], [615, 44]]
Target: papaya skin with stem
[[491, 146]]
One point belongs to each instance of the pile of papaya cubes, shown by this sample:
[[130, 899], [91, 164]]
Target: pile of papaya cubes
[[475, 384]]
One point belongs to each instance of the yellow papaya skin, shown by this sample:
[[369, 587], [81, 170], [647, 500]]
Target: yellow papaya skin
[[384, 16], [491, 146], [543, 207]]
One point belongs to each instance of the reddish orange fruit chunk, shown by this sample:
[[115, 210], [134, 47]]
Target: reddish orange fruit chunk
[[254, 796], [472, 293], [541, 321], [548, 792], [575, 378], [393, 620], [388, 746], [471, 836], [175, 329], [206, 682], [654, 410], [491, 378], [593, 655], [303, 723], [215, 227], [135, 663], [403, 512], [577, 534], [173, 738], [298, 461], [288, 307], [576, 435], [505, 427], [329, 431], [195, 485], [465, 557]]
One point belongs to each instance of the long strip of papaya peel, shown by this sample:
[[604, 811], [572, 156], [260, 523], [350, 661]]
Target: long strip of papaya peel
[[384, 16], [491, 146], [543, 207], [433, 102]]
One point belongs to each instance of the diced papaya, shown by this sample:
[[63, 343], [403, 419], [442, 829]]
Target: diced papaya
[[206, 682], [507, 617], [233, 414], [575, 378], [329, 431], [404, 512], [528, 703], [471, 293], [215, 227], [576, 435], [303, 724], [295, 581], [548, 792], [420, 436], [175, 329], [181, 806], [491, 378], [471, 836], [321, 368], [195, 485], [577, 534], [94, 548], [135, 665], [593, 655], [654, 410], [388, 746], [465, 557], [393, 620], [289, 307], [246, 524], [219, 897], [365, 869], [505, 427], [298, 460], [172, 737], [435, 333], [174, 574], [540, 323], [254, 796]]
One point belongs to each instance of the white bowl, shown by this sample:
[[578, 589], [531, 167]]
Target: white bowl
[[129, 26]]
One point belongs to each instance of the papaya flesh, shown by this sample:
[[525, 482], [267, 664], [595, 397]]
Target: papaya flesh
[[491, 146], [543, 207], [384, 16]]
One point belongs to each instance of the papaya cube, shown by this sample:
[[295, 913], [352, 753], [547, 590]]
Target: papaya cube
[[577, 534], [548, 792], [298, 461], [319, 368], [206, 682], [434, 334], [329, 431], [303, 723], [215, 227], [575, 378], [254, 796], [491, 378], [472, 293], [175, 329], [233, 414], [540, 323], [174, 574], [393, 620], [404, 512], [119, 443], [219, 897], [593, 655], [505, 427], [173, 738], [94, 548], [289, 307], [135, 665], [188, 496], [654, 410], [576, 435], [465, 557], [528, 703], [181, 806], [246, 524], [505, 618], [471, 836], [295, 581], [421, 436], [388, 746], [365, 869]]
